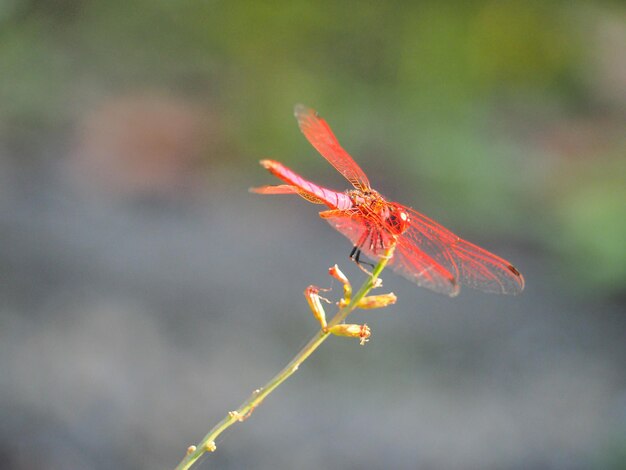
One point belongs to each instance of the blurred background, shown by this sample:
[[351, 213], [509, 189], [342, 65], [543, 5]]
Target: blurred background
[[144, 292]]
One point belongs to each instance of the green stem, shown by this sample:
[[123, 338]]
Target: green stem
[[207, 444]]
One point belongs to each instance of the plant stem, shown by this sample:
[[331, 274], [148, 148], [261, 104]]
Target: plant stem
[[207, 444]]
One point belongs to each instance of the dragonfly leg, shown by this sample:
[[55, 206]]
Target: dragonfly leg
[[356, 250], [355, 254], [357, 259]]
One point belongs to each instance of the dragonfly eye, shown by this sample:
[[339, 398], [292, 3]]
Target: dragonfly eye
[[398, 220]]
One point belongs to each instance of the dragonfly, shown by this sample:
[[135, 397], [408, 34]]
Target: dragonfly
[[426, 253]]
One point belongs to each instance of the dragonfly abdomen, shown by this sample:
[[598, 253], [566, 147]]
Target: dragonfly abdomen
[[332, 199]]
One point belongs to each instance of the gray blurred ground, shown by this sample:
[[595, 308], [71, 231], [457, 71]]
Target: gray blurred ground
[[131, 325]]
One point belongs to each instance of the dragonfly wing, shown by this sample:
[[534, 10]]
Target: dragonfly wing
[[319, 134], [412, 263], [471, 265], [483, 270], [417, 266], [286, 189]]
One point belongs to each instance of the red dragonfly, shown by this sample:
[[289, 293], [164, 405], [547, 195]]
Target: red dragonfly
[[426, 252]]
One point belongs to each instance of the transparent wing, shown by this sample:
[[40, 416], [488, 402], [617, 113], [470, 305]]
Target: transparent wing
[[286, 189], [412, 263], [432, 256], [471, 265], [319, 134]]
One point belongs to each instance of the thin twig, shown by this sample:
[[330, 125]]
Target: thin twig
[[207, 444]]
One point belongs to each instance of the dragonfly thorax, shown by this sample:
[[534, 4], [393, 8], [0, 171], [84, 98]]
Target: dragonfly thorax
[[367, 201], [371, 204]]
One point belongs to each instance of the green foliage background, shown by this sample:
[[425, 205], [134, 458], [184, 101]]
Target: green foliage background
[[450, 100]]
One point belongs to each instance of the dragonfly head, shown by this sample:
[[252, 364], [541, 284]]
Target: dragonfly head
[[397, 219]]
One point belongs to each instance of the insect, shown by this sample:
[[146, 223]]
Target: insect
[[426, 252]]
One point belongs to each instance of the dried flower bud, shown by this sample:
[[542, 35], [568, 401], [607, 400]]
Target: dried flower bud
[[312, 296], [341, 277], [362, 332], [335, 272], [378, 301]]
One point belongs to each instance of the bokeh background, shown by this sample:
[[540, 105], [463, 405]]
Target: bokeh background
[[144, 292]]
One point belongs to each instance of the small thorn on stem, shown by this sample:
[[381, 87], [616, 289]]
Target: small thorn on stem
[[191, 449], [236, 415]]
